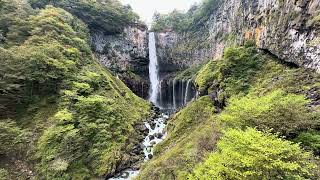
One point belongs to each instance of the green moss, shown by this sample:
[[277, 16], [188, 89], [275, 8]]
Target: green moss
[[189, 73], [231, 73]]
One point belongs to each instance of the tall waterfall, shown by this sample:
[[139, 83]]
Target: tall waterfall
[[153, 70]]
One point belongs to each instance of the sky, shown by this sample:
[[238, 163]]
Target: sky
[[146, 8]]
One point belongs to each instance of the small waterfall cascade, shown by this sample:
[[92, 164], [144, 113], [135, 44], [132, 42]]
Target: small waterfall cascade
[[153, 70], [186, 95], [176, 93]]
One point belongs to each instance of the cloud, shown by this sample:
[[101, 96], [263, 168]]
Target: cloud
[[146, 8]]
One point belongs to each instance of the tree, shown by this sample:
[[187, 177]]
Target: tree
[[252, 154]]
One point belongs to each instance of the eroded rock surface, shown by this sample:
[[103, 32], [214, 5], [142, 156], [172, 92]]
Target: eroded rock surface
[[288, 29], [125, 54]]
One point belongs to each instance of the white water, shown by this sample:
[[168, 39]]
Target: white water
[[153, 69], [149, 143], [159, 128], [174, 94], [187, 92]]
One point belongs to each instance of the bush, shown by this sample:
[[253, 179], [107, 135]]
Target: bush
[[232, 73], [310, 140], [284, 113], [252, 154], [12, 138], [4, 175]]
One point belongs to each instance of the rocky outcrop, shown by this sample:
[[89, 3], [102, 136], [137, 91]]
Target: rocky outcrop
[[174, 54], [126, 55], [288, 29]]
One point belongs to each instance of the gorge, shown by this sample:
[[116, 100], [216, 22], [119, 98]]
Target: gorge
[[224, 90]]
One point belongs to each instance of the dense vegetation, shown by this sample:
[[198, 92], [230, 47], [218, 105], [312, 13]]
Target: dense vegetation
[[259, 123], [182, 22], [108, 15], [252, 154], [62, 114]]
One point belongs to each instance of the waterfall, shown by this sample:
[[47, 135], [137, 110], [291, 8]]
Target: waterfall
[[153, 69], [187, 92], [174, 94]]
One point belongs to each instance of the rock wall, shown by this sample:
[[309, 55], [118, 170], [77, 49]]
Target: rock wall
[[174, 52], [289, 29], [126, 55]]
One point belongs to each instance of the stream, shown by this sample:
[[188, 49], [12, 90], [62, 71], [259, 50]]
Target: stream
[[156, 127], [156, 135]]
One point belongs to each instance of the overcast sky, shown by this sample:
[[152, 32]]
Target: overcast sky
[[146, 8]]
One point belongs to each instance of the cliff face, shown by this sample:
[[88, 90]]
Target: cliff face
[[174, 54], [125, 54], [288, 29]]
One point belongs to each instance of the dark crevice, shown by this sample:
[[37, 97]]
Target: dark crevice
[[281, 61]]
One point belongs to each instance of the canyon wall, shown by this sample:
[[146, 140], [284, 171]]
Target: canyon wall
[[288, 29], [126, 55]]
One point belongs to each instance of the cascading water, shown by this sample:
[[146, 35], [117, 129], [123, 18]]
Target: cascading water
[[176, 94], [153, 69], [187, 92], [156, 126]]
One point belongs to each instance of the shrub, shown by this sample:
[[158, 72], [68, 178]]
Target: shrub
[[310, 140], [252, 154], [232, 73], [284, 113], [4, 175], [12, 138]]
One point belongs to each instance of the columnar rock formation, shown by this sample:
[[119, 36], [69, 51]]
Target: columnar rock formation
[[125, 54], [286, 28]]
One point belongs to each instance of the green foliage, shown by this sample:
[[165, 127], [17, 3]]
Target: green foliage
[[53, 52], [181, 22], [231, 73], [12, 138], [261, 93], [92, 113], [284, 113], [252, 154], [192, 133], [189, 73], [176, 20], [110, 15], [13, 23], [190, 116], [96, 118], [310, 140], [4, 175]]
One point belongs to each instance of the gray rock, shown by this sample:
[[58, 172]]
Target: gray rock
[[125, 52], [151, 137], [159, 135], [153, 143], [285, 29], [150, 156]]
